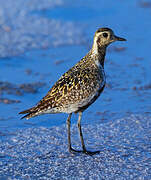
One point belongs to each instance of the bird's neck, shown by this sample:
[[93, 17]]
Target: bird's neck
[[98, 52]]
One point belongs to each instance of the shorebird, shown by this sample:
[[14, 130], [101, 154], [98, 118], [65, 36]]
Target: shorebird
[[79, 87]]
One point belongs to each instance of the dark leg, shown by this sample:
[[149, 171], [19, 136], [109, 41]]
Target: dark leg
[[81, 137], [68, 126], [80, 132], [69, 137]]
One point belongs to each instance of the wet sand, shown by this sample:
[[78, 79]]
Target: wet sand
[[41, 153]]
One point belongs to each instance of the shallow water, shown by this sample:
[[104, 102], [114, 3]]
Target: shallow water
[[40, 43]]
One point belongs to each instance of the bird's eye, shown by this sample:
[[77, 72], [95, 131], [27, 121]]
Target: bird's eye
[[105, 35]]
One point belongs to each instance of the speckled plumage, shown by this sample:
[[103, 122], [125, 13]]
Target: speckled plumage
[[81, 85], [74, 89]]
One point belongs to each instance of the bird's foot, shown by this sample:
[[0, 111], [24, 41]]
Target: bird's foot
[[90, 152], [71, 150]]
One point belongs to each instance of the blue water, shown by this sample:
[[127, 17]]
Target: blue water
[[70, 34]]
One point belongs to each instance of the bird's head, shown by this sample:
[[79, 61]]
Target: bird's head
[[105, 36]]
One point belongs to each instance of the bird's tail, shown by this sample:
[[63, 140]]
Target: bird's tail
[[29, 113]]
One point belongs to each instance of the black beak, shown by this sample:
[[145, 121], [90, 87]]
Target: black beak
[[119, 38]]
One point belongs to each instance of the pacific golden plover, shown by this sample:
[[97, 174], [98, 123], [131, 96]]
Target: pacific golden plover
[[79, 87]]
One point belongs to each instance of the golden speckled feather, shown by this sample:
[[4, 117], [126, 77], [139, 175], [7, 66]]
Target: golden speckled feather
[[79, 87]]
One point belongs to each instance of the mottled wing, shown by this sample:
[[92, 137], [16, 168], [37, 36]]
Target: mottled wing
[[72, 88]]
